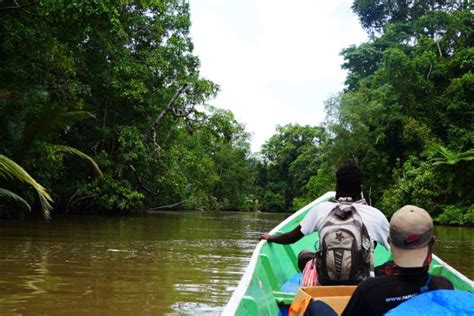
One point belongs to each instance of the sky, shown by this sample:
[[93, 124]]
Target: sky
[[276, 62]]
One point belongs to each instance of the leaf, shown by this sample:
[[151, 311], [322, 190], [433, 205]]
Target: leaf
[[50, 118], [75, 151], [7, 194], [10, 169], [450, 157]]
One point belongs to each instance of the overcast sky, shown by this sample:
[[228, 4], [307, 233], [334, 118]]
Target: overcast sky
[[275, 61]]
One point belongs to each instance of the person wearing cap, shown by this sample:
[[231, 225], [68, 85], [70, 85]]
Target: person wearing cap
[[411, 239], [349, 180]]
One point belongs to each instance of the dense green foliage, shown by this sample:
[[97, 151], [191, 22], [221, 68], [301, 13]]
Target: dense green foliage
[[289, 161], [406, 115], [118, 85]]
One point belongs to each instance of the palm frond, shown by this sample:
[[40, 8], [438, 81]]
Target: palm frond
[[75, 151], [7, 194], [449, 157], [467, 155], [50, 118], [10, 169]]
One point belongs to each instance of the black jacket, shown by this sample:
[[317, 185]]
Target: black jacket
[[376, 296]]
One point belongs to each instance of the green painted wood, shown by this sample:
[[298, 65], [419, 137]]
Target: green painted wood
[[267, 266], [283, 298]]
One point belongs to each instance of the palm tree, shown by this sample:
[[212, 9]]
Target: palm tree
[[11, 170], [453, 165], [25, 131], [50, 119]]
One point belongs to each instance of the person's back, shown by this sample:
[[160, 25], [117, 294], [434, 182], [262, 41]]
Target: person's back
[[348, 191], [345, 249], [375, 221], [411, 239], [378, 295]]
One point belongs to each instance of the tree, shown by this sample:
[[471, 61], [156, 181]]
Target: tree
[[374, 15], [290, 157], [115, 81], [409, 89]]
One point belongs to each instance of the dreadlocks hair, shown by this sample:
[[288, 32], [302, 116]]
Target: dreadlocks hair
[[349, 182]]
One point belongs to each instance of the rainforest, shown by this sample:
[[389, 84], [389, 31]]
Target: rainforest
[[105, 111]]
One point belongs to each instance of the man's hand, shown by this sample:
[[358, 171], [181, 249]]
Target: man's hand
[[286, 238], [267, 237]]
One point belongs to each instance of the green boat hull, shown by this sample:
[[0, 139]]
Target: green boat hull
[[271, 265]]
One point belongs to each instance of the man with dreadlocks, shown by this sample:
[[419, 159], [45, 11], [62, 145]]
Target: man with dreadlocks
[[347, 227]]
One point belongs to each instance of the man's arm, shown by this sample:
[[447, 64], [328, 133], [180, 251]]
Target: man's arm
[[286, 238]]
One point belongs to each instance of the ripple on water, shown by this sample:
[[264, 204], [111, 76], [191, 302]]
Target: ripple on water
[[166, 263], [179, 263]]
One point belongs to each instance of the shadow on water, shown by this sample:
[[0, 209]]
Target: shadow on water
[[161, 263]]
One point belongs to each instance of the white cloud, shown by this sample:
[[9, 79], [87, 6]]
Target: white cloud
[[276, 61]]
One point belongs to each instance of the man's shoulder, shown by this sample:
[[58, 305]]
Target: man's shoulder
[[375, 282], [381, 286], [367, 209], [364, 209], [387, 281], [372, 285], [321, 209], [312, 220], [365, 206], [442, 283], [327, 205]]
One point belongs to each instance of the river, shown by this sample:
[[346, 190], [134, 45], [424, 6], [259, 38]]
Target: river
[[161, 263]]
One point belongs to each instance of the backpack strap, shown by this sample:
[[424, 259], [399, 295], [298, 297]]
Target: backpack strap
[[347, 200], [425, 287], [343, 212], [344, 205]]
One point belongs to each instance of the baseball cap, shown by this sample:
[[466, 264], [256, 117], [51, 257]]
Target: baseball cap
[[411, 230]]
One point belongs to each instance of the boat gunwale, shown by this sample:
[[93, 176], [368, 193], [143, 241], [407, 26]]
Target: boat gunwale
[[453, 270]]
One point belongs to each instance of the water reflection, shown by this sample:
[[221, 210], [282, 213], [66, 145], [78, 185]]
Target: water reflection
[[162, 263], [455, 245]]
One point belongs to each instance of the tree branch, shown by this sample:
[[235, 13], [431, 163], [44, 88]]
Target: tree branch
[[17, 6], [439, 49], [429, 72], [168, 107], [72, 201], [155, 193], [166, 206]]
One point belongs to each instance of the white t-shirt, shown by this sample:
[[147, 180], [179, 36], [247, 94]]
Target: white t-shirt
[[377, 224]]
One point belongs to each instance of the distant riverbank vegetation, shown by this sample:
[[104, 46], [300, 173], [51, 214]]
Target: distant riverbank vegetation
[[104, 110]]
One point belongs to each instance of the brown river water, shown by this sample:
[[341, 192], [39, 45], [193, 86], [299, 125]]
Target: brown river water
[[163, 263]]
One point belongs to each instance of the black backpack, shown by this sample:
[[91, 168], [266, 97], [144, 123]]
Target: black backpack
[[345, 253]]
